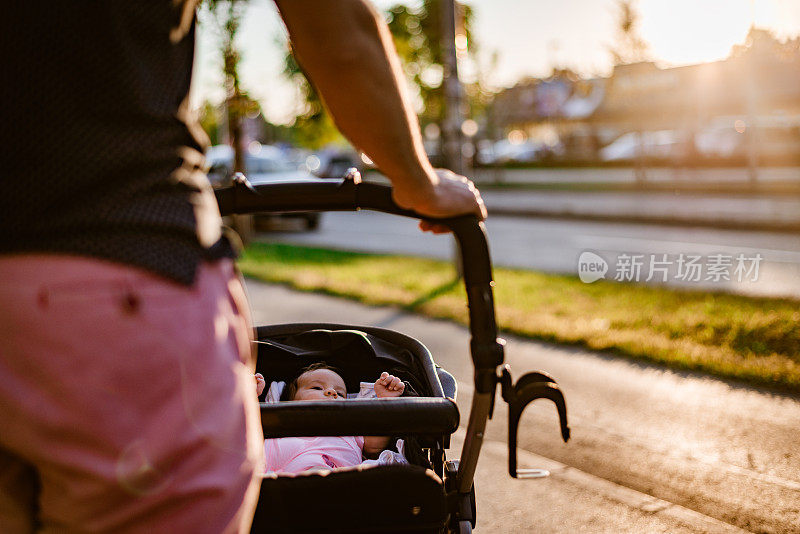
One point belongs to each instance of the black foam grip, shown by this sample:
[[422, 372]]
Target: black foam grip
[[373, 417]]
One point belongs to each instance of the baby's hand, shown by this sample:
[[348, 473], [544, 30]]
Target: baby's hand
[[389, 386], [260, 384]]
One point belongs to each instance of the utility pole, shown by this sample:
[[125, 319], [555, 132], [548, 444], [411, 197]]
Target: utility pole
[[751, 129], [452, 90], [751, 126], [454, 159]]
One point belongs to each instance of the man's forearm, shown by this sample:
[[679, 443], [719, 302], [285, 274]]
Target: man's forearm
[[346, 50]]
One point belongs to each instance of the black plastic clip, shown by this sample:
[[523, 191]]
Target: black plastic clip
[[241, 182], [529, 387], [352, 175], [351, 180], [242, 188]]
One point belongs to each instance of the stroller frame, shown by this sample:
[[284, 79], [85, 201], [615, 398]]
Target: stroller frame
[[487, 350]]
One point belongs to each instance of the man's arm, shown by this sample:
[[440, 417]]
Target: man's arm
[[346, 50]]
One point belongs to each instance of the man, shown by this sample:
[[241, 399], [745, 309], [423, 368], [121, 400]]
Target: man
[[126, 400]]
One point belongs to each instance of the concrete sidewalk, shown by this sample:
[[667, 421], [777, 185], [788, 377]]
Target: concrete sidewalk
[[686, 453], [767, 213]]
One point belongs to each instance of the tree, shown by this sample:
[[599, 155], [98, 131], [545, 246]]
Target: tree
[[416, 33], [225, 16], [211, 121], [630, 47]]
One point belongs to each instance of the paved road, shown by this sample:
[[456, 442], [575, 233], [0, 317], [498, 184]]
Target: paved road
[[555, 246], [652, 450]]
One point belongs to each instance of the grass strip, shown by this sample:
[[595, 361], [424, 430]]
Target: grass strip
[[756, 340]]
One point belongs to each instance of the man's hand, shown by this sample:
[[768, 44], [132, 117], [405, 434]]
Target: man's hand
[[389, 386], [449, 195]]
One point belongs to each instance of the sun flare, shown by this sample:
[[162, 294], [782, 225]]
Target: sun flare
[[696, 31]]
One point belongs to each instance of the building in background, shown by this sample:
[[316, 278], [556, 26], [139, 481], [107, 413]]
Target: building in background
[[707, 112]]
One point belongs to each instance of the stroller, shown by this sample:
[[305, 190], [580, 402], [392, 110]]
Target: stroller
[[434, 494]]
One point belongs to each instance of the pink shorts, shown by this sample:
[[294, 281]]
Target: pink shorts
[[127, 401]]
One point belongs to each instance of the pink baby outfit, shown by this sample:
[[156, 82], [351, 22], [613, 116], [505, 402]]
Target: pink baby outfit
[[293, 455]]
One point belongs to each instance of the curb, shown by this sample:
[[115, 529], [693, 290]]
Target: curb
[[759, 226]]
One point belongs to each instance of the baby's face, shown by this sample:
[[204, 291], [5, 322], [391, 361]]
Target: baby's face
[[320, 384]]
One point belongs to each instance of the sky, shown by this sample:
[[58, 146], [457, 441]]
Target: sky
[[528, 38]]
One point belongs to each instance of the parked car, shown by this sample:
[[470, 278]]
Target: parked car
[[718, 142], [263, 166], [661, 144], [528, 151], [722, 140], [333, 162]]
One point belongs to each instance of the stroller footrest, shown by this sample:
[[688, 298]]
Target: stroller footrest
[[388, 498]]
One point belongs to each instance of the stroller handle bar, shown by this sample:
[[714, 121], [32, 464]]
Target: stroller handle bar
[[407, 415], [350, 194]]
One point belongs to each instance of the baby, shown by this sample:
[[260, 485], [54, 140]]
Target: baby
[[294, 455]]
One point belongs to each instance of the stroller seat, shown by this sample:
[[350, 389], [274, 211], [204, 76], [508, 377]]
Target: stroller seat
[[384, 498]]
